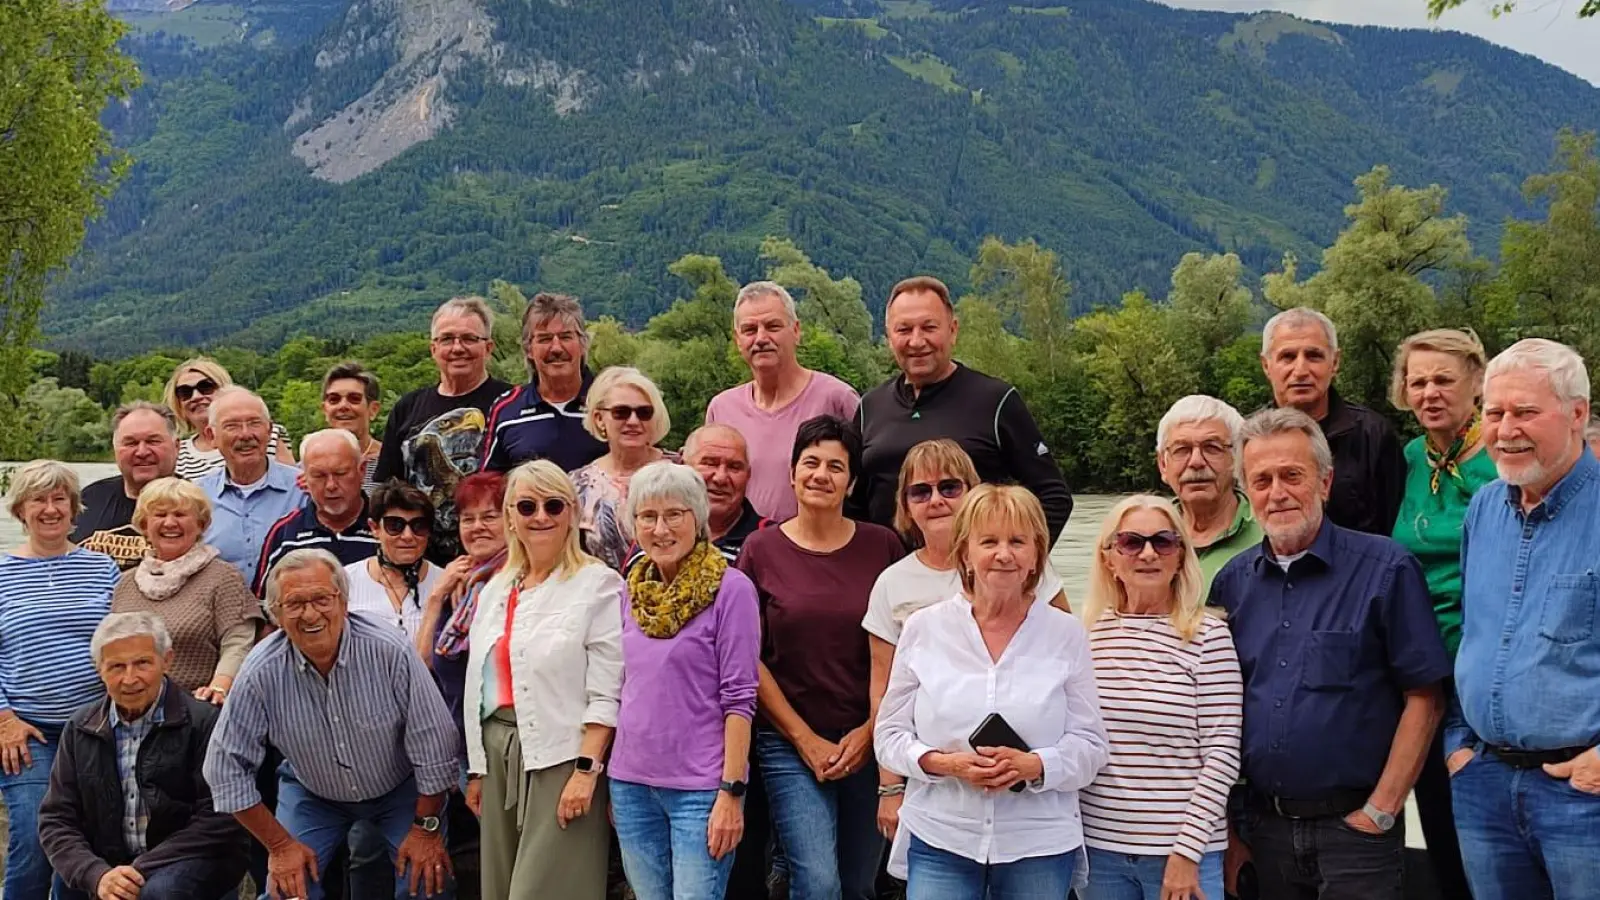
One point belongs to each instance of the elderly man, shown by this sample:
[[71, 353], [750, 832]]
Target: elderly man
[[1195, 444], [252, 490], [1300, 356], [936, 397], [780, 394], [543, 419], [144, 438], [361, 726], [1343, 669], [350, 400], [1521, 746], [335, 517], [128, 814]]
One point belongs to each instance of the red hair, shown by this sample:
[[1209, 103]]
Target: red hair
[[481, 488]]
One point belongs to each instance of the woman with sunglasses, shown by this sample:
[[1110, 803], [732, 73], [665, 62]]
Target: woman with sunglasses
[[188, 394], [1155, 820], [626, 411], [544, 674], [394, 584]]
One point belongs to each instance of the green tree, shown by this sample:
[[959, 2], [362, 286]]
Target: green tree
[[510, 361], [1027, 284], [1210, 309], [1437, 8], [688, 350], [832, 308], [69, 425]]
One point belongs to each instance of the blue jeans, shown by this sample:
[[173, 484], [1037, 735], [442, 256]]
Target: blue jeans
[[1123, 876], [934, 874], [662, 834], [323, 825], [371, 871], [1525, 835], [192, 879], [829, 830], [27, 870]]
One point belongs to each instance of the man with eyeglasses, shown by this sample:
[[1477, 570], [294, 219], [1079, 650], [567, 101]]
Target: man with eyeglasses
[[543, 419], [334, 519], [1195, 451], [252, 490], [144, 438], [350, 395]]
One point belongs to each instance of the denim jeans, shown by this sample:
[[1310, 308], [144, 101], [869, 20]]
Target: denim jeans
[[829, 830], [28, 872], [1323, 859], [192, 879], [371, 871], [934, 874], [662, 833], [1124, 876], [323, 825], [1525, 835]]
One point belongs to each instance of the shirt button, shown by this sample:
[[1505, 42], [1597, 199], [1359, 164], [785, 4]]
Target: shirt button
[[1286, 623], [1283, 663], [1276, 744], [1277, 704]]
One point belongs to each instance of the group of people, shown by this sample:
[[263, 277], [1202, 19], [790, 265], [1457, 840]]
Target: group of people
[[517, 649]]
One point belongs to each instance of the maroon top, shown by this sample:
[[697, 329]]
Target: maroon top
[[811, 609]]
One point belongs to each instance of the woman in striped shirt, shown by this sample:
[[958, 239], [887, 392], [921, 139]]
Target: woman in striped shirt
[[52, 597], [1155, 820], [188, 393]]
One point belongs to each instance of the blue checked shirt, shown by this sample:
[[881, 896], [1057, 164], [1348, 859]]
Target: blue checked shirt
[[130, 737]]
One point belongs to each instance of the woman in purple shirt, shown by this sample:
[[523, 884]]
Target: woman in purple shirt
[[691, 645]]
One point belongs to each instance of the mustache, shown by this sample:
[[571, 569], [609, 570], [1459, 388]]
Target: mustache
[[1198, 476]]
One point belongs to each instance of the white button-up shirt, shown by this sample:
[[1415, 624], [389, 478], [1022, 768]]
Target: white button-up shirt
[[941, 688], [566, 662]]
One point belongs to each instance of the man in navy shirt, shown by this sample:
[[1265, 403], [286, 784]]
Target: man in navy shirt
[[543, 419], [1342, 665], [334, 518]]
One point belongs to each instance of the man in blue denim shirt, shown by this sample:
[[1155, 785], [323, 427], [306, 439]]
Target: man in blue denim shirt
[[251, 490], [1525, 775]]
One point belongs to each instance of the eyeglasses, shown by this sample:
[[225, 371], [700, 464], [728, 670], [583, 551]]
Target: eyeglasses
[[1132, 543], [294, 609], [948, 488], [355, 398], [622, 413], [546, 338], [648, 520], [1211, 450], [205, 387], [468, 341], [394, 525], [553, 506]]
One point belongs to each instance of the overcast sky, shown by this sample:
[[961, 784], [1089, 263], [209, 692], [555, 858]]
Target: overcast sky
[[1548, 29]]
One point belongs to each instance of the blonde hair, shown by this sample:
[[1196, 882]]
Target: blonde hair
[[1006, 504], [204, 365], [1106, 591], [40, 477], [942, 455], [1462, 343], [169, 491], [609, 380], [544, 478]]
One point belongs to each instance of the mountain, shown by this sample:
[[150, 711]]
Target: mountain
[[342, 182]]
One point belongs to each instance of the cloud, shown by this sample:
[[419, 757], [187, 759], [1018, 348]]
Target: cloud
[[1548, 29]]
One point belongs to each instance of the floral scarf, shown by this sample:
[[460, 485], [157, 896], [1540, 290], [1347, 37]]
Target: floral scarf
[[663, 609], [1449, 462], [158, 579]]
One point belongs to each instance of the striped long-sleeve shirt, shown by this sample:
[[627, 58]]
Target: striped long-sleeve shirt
[[1173, 712], [49, 609]]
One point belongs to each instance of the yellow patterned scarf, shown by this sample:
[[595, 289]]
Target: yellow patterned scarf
[[1449, 462], [663, 609]]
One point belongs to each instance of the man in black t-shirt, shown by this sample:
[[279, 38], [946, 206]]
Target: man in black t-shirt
[[434, 436], [144, 437]]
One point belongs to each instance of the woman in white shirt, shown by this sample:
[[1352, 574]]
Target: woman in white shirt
[[1155, 820], [395, 584], [544, 674], [992, 650]]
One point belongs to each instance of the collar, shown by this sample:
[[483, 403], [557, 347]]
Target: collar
[[358, 528], [1339, 420], [279, 477], [302, 664], [1241, 517], [156, 714], [910, 398], [1321, 548], [587, 382], [1576, 479], [749, 520]]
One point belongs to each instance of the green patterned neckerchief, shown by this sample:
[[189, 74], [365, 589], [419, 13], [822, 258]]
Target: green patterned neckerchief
[[1449, 462]]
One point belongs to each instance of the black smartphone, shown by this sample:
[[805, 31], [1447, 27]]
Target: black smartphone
[[995, 731]]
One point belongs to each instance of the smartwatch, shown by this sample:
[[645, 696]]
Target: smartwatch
[[588, 765], [734, 789], [430, 824]]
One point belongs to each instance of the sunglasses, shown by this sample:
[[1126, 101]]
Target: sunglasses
[[948, 488], [1132, 543], [393, 525], [621, 413], [354, 399], [553, 506], [205, 387]]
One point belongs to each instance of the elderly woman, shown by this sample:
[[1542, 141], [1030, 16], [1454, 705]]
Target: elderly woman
[[691, 646], [1438, 376], [813, 575], [934, 478], [188, 393], [203, 600], [626, 411], [52, 598], [544, 672], [984, 808], [394, 583], [1155, 820], [447, 619]]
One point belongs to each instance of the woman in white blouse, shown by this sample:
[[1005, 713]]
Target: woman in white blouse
[[543, 679], [1155, 820], [992, 650], [394, 585]]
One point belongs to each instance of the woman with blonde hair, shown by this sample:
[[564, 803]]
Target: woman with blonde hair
[[1155, 820], [544, 676], [625, 409], [188, 394]]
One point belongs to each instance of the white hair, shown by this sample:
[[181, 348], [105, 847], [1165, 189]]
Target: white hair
[[294, 561], [470, 306], [121, 626], [691, 444], [1283, 420], [343, 437], [673, 483], [1200, 408], [757, 289], [1560, 365], [1299, 316], [234, 390]]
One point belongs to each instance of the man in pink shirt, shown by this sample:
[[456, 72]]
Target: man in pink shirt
[[781, 394]]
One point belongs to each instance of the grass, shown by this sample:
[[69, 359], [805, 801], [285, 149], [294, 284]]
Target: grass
[[207, 24], [1444, 82], [929, 68], [869, 27], [1061, 11], [914, 9], [1255, 34]]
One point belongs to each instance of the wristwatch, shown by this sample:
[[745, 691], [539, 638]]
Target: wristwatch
[[588, 765], [430, 824], [1383, 820], [734, 789]]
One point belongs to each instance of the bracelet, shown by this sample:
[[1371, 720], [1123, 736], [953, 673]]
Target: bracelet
[[891, 790]]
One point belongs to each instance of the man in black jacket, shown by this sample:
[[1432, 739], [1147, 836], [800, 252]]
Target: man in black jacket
[[128, 814]]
